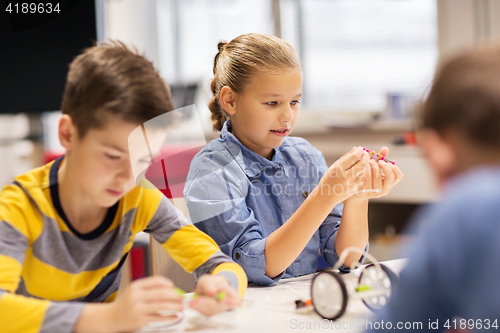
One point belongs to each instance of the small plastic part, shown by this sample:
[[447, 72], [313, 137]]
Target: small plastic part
[[179, 291], [363, 288], [329, 295], [388, 282], [374, 287]]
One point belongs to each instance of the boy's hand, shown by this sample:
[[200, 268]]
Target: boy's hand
[[207, 289], [344, 176], [380, 175], [141, 301]]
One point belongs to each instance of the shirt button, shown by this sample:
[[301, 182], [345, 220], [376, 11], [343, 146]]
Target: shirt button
[[237, 256], [305, 194]]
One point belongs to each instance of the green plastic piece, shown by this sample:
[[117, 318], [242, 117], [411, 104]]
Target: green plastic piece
[[221, 295], [179, 291], [363, 288]]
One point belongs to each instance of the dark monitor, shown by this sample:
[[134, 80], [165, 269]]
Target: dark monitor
[[36, 49]]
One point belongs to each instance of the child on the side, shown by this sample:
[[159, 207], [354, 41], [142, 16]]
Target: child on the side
[[67, 227], [451, 280], [269, 200]]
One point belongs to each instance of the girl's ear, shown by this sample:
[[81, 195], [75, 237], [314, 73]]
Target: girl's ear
[[67, 132], [227, 100], [439, 153]]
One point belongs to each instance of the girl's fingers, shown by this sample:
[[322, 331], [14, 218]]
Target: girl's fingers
[[389, 176], [398, 173], [368, 179], [346, 154], [384, 151], [358, 169], [376, 174], [351, 158]]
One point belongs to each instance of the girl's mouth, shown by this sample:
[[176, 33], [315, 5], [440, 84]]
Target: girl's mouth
[[281, 132]]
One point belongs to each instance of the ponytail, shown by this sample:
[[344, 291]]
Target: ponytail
[[219, 115]]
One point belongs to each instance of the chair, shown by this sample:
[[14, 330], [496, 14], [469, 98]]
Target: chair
[[179, 158]]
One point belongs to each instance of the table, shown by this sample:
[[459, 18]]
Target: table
[[272, 309]]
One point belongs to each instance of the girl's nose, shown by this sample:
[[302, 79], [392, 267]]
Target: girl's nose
[[287, 114]]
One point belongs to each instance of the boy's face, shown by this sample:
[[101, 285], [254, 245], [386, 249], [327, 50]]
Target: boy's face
[[100, 162]]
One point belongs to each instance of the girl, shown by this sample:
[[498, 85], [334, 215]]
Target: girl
[[269, 200]]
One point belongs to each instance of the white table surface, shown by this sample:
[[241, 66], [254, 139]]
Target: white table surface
[[272, 309]]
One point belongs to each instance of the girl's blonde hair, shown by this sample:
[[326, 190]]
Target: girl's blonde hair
[[240, 59]]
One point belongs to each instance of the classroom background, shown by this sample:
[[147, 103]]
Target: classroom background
[[366, 66]]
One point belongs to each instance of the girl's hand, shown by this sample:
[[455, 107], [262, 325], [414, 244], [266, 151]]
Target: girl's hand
[[214, 295], [344, 176], [141, 301], [380, 175]]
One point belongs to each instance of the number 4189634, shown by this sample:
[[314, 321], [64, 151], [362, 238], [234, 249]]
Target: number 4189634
[[471, 324], [40, 8]]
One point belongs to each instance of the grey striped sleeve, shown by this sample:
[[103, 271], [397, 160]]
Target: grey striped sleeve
[[12, 242], [166, 220], [61, 317]]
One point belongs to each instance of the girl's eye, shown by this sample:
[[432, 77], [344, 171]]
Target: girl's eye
[[272, 103], [112, 157], [294, 102]]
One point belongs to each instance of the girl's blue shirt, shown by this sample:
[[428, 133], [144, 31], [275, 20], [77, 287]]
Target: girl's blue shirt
[[239, 198]]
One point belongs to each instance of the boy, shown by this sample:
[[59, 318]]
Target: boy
[[66, 227], [453, 266]]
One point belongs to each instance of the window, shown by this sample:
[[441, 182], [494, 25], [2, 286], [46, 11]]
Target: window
[[189, 30], [354, 52]]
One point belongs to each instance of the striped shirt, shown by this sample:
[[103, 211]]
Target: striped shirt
[[48, 270]]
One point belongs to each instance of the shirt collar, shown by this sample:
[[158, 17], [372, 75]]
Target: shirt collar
[[249, 161]]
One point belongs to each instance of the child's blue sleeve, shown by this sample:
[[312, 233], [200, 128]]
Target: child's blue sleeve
[[215, 195]]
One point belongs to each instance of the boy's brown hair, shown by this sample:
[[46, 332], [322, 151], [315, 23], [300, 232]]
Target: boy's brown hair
[[465, 97], [110, 79]]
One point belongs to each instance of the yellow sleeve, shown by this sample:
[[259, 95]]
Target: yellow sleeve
[[19, 313], [193, 249], [15, 234], [239, 273], [197, 253]]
